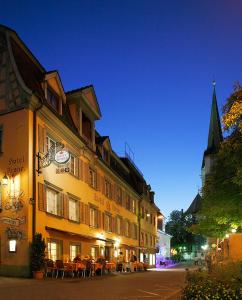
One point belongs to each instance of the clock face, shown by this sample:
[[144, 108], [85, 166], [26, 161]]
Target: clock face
[[62, 157]]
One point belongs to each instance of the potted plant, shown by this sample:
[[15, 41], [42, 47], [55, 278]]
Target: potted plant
[[37, 256]]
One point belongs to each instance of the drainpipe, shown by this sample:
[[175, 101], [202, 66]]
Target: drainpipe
[[34, 167], [139, 225]]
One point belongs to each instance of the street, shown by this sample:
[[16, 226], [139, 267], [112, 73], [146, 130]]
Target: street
[[163, 284]]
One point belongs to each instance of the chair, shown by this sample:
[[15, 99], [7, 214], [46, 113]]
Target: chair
[[49, 267], [60, 268]]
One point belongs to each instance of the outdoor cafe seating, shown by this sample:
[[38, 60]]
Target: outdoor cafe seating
[[85, 268]]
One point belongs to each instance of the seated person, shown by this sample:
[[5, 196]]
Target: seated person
[[77, 259]]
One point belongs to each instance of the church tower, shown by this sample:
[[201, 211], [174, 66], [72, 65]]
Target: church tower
[[215, 138]]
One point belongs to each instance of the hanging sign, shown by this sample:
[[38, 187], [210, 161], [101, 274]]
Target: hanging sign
[[62, 157]]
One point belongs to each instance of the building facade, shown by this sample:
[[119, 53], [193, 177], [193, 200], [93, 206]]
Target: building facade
[[60, 177]]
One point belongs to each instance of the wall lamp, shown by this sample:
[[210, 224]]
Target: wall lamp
[[5, 180]]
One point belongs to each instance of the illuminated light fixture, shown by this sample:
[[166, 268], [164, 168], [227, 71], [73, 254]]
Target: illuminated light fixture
[[233, 230], [204, 247], [214, 245], [148, 215], [5, 180], [12, 245], [160, 217], [227, 235]]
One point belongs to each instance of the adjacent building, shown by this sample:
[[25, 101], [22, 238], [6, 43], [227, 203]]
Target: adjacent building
[[60, 177]]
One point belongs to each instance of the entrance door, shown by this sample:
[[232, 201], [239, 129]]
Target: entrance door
[[107, 253]]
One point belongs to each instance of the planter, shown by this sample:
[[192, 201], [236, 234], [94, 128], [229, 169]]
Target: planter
[[38, 275]]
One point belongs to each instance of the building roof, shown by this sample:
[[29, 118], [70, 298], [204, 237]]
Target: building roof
[[195, 205], [215, 136]]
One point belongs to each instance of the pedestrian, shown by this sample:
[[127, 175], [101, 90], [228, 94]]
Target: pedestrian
[[120, 262]]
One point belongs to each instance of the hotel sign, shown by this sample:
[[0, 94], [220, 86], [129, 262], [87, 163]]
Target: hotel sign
[[62, 157]]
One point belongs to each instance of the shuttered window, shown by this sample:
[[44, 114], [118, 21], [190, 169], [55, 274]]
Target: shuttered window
[[54, 202], [73, 210]]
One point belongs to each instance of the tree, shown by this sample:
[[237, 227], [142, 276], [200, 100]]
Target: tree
[[222, 193], [232, 110], [178, 226]]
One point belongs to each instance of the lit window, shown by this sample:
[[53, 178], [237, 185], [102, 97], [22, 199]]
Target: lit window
[[133, 206], [93, 217], [54, 249], [50, 143], [92, 178], [74, 250], [73, 210], [12, 245], [53, 202], [94, 253]]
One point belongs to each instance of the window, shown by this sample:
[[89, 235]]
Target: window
[[53, 199], [74, 250], [1, 139], [53, 99], [119, 220], [146, 239], [73, 210], [133, 206], [107, 223], [142, 212], [151, 218], [92, 178], [142, 238], [127, 228], [93, 217], [73, 165], [50, 143], [119, 195], [94, 252], [54, 249], [107, 188], [128, 202], [135, 232], [105, 155]]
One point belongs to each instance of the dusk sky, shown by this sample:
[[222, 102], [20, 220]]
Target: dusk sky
[[152, 64]]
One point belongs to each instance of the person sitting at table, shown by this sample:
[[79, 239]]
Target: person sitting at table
[[88, 263], [102, 267], [77, 259], [120, 262]]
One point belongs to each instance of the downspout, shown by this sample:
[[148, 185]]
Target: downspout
[[139, 225], [34, 167]]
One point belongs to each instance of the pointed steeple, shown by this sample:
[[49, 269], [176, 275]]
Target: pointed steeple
[[215, 136]]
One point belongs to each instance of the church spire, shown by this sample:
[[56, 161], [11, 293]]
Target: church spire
[[215, 136]]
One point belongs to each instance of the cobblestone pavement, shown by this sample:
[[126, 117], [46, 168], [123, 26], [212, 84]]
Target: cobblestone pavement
[[154, 284]]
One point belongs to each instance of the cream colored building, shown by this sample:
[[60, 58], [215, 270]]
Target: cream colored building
[[95, 203]]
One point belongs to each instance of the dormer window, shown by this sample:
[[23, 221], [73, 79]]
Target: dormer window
[[53, 99], [86, 127], [105, 155]]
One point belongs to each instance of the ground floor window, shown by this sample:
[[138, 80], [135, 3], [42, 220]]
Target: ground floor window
[[141, 257], [94, 253], [74, 250], [54, 249]]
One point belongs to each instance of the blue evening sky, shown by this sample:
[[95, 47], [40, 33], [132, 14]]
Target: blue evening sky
[[152, 64]]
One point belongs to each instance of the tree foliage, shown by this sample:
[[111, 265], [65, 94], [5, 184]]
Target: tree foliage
[[222, 192], [232, 110], [178, 226]]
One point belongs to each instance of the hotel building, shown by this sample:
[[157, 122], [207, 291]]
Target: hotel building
[[59, 176]]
